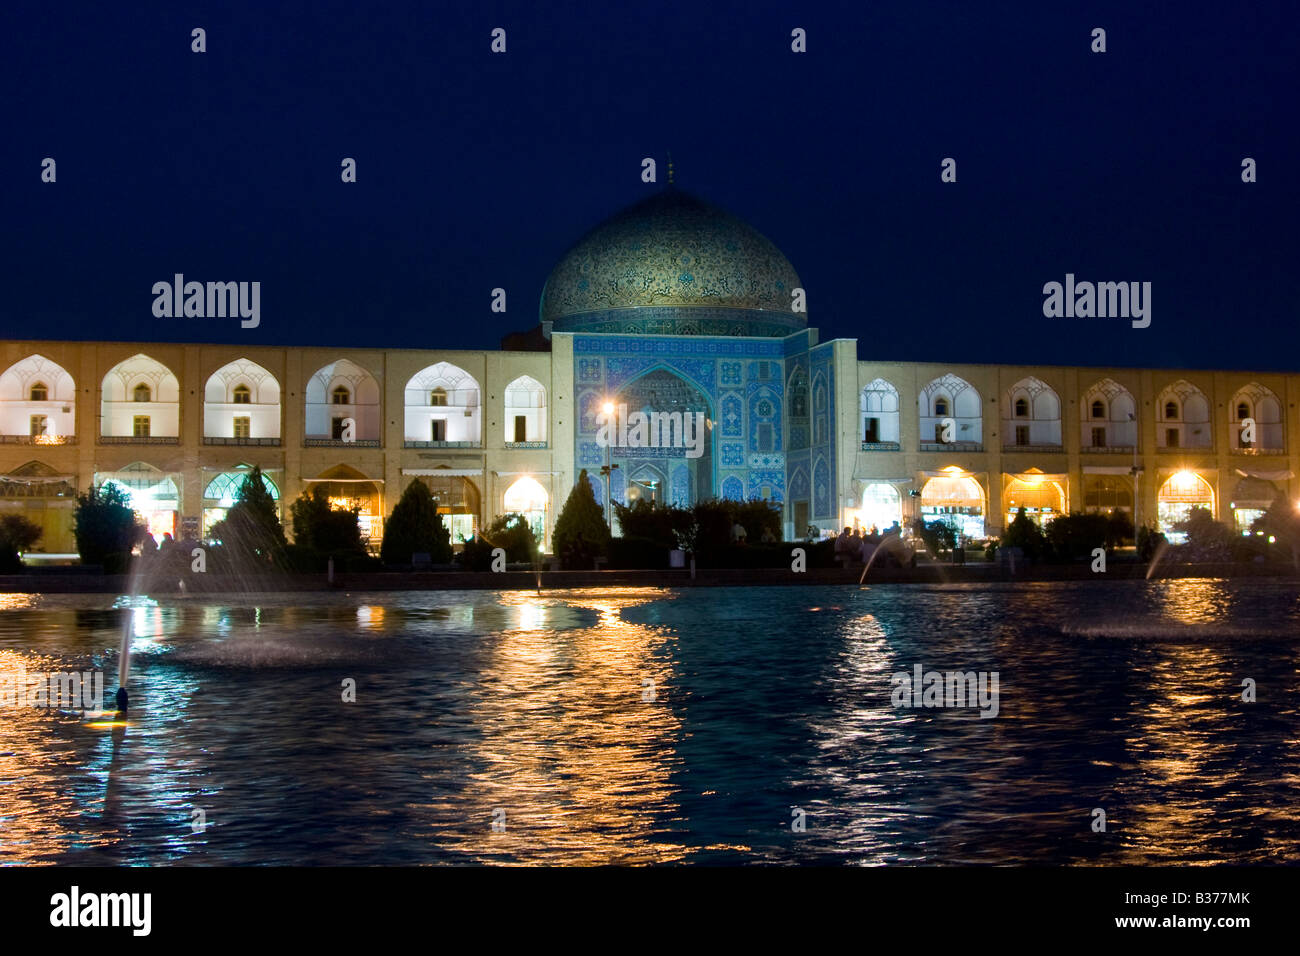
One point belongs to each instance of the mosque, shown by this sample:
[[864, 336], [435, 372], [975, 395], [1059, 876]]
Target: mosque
[[671, 305]]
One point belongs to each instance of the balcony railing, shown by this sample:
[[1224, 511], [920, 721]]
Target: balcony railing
[[264, 442], [881, 446], [1256, 450], [1107, 449], [525, 444], [1034, 447], [441, 444], [38, 439], [138, 440], [952, 446], [340, 443]]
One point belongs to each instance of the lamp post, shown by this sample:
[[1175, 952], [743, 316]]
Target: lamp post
[[607, 469], [1133, 419]]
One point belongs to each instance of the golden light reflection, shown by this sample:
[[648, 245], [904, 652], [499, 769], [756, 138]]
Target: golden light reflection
[[579, 754]]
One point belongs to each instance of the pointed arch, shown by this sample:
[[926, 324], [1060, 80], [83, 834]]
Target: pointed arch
[[140, 399], [38, 401]]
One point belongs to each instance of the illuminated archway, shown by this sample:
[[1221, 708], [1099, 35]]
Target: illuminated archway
[[957, 500], [152, 495], [882, 507], [1178, 495], [1043, 499], [528, 498]]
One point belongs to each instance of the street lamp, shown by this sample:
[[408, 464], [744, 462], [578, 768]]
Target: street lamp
[[607, 469]]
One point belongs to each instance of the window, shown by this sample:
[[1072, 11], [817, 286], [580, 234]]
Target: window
[[941, 406], [1099, 438], [1022, 434], [142, 393], [140, 426], [764, 371], [438, 430], [39, 426], [871, 430], [764, 408], [1243, 411], [40, 393], [438, 397], [1098, 408], [765, 437], [342, 396], [521, 428], [1171, 411], [1022, 409], [243, 427], [336, 430], [1171, 437], [243, 395]]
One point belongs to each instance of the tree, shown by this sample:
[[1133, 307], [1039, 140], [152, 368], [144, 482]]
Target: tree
[[105, 527], [17, 534], [324, 529], [415, 527], [580, 531], [1022, 533], [937, 536], [251, 529]]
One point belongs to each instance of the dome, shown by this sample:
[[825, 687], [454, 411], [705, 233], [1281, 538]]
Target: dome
[[673, 265]]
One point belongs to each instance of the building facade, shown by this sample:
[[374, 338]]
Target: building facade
[[672, 309]]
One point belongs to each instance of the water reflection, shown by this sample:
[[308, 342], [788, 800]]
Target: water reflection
[[645, 726]]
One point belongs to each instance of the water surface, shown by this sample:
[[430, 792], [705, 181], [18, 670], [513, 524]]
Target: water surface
[[657, 726]]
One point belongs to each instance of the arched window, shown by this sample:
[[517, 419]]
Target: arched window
[[1243, 411], [243, 395], [1098, 409], [1022, 408], [941, 406], [1171, 411], [342, 396], [141, 393], [438, 396], [40, 392]]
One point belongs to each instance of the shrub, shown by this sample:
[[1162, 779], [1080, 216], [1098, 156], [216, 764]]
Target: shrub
[[580, 531], [1119, 528], [1148, 540], [1207, 539], [1075, 536], [508, 531], [415, 527], [325, 529], [937, 536], [1022, 533], [104, 524], [17, 534]]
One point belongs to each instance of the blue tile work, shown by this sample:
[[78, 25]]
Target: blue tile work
[[733, 488], [742, 379]]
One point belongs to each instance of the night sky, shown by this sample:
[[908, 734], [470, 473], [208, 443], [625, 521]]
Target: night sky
[[478, 170]]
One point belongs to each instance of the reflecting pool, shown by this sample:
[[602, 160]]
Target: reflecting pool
[[637, 726]]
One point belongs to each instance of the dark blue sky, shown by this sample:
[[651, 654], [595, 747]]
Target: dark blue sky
[[478, 170]]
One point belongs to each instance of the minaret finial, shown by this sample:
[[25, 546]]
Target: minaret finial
[[670, 169]]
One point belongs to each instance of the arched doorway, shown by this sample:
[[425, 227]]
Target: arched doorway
[[1043, 499], [153, 495], [666, 425], [1251, 498], [528, 498], [957, 500], [458, 502], [348, 488], [882, 507], [1178, 495], [221, 493]]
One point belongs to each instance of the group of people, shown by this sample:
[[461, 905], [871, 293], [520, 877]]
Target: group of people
[[854, 545], [739, 535]]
